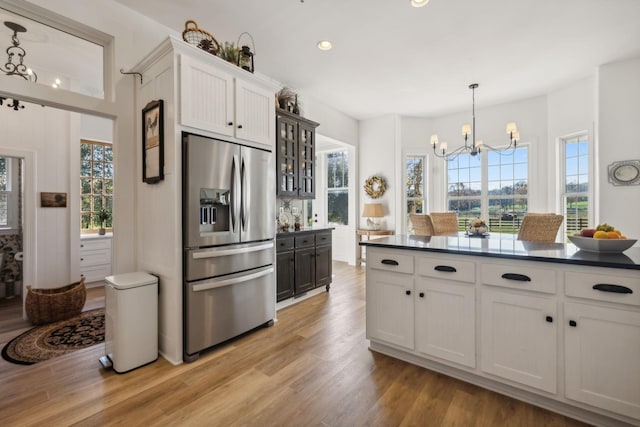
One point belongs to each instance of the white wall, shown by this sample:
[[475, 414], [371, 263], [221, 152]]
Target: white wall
[[378, 156], [570, 110], [45, 133], [135, 35], [618, 117]]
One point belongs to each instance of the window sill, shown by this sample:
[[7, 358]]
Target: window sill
[[8, 231], [96, 236]]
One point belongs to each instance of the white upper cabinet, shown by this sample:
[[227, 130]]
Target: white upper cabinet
[[214, 100], [206, 97]]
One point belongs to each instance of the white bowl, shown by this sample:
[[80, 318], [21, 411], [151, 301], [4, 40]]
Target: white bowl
[[602, 245]]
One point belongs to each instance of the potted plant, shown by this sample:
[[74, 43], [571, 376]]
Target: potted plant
[[103, 215], [229, 52], [285, 97]]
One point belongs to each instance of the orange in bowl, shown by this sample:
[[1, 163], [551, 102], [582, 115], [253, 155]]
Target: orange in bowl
[[600, 235], [612, 235]]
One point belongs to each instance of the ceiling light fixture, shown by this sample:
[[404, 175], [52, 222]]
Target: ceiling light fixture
[[17, 68], [474, 147], [419, 3], [324, 45]]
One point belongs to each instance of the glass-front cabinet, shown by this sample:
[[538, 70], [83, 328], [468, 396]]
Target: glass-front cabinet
[[295, 142]]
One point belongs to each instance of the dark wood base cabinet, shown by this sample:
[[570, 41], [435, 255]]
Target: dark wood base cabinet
[[303, 262]]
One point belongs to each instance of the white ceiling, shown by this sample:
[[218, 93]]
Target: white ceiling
[[389, 57]]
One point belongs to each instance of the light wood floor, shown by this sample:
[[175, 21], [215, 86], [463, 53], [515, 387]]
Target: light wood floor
[[312, 368]]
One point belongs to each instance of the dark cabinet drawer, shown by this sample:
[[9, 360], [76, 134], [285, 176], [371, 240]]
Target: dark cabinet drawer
[[305, 241], [284, 243], [323, 238]]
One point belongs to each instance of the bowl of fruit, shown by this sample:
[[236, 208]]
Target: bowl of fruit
[[603, 239]]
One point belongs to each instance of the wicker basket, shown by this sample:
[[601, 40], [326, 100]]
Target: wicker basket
[[200, 38], [52, 305]]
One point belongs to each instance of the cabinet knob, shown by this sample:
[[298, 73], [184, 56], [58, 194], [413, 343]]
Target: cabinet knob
[[549, 319], [573, 323], [82, 246], [239, 126], [230, 124], [81, 259], [407, 292], [421, 294]]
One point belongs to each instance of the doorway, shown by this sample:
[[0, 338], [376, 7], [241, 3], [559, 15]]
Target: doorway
[[11, 240], [43, 159]]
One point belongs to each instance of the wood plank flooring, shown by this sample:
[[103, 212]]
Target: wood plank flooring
[[312, 368]]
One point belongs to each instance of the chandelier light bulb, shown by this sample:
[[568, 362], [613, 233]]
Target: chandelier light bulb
[[434, 140], [511, 127], [58, 82], [466, 129]]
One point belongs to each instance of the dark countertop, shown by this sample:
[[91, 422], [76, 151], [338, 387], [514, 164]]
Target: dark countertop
[[506, 246], [303, 230]]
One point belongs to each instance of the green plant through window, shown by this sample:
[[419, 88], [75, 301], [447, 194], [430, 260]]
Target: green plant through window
[[96, 184]]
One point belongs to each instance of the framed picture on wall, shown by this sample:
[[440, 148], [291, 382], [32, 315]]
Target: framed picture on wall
[[53, 200], [153, 142]]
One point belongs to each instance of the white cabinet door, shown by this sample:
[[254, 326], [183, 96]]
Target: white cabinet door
[[390, 308], [519, 337], [445, 320], [602, 352], [255, 113], [206, 97]]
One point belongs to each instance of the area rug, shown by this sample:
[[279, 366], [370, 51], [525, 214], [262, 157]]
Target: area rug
[[53, 340]]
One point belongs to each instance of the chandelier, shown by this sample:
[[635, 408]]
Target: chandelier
[[474, 146], [15, 62]]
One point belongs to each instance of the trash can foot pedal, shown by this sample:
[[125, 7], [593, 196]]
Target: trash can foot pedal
[[106, 362]]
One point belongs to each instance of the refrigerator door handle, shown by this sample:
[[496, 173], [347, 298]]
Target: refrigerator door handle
[[226, 252], [218, 283], [245, 199], [234, 193]]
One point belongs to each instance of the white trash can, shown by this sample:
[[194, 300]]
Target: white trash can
[[131, 320]]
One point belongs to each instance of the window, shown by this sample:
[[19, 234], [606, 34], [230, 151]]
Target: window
[[575, 195], [5, 190], [96, 183], [493, 186], [414, 187], [10, 189], [338, 187]]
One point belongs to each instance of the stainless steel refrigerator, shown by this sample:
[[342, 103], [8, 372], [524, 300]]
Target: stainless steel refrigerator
[[228, 234]]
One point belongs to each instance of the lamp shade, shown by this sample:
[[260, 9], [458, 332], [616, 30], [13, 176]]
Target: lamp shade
[[373, 210]]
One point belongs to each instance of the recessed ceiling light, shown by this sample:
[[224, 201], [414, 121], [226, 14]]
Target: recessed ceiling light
[[419, 3], [324, 45]]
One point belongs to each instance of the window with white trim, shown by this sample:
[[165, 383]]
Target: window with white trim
[[96, 184], [493, 186], [415, 184], [9, 193], [575, 185], [5, 190], [338, 187]]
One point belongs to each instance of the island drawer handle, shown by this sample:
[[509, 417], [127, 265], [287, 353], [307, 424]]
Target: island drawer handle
[[516, 276], [612, 288], [389, 262], [445, 268]]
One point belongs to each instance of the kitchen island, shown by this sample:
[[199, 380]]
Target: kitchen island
[[542, 322]]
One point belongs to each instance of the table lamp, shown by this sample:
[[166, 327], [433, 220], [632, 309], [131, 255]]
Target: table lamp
[[372, 211]]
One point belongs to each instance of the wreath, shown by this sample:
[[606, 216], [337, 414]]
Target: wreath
[[375, 186]]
